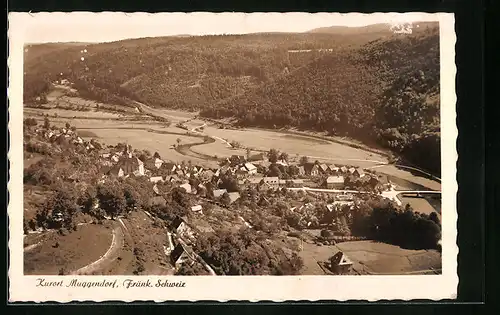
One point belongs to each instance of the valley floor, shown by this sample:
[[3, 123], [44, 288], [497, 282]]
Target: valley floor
[[137, 241]]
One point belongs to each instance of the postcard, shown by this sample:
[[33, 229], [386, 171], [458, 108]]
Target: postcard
[[232, 157]]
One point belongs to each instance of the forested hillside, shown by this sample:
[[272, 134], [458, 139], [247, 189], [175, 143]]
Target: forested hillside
[[387, 91], [366, 83], [175, 72]]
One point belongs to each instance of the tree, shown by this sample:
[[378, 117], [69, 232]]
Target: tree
[[178, 140], [210, 190], [111, 199], [283, 156], [429, 233], [68, 126], [179, 196], [248, 151], [30, 122], [273, 155], [225, 199], [434, 218], [63, 204], [230, 183], [304, 160], [87, 199], [133, 198], [326, 233], [274, 170], [195, 269], [157, 155], [46, 123]]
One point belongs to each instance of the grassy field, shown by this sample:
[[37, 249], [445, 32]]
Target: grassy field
[[371, 257], [422, 205], [144, 140], [313, 254], [315, 149], [293, 145], [218, 148], [68, 252], [406, 178], [144, 240], [34, 197], [71, 113]]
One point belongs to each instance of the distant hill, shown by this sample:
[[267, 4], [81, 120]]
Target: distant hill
[[379, 29], [366, 83], [176, 72], [386, 91], [375, 28]]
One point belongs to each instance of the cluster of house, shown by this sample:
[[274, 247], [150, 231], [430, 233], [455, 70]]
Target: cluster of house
[[65, 137], [179, 245], [123, 163], [355, 177], [307, 213]]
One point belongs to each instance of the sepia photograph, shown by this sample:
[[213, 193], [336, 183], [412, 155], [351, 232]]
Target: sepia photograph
[[233, 145]]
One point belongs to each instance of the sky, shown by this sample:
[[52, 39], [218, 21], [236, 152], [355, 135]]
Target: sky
[[110, 26]]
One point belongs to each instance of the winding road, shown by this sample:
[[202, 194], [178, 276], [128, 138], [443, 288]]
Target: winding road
[[106, 259]]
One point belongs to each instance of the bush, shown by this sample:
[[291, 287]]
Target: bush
[[388, 224], [326, 234], [30, 122], [111, 198]]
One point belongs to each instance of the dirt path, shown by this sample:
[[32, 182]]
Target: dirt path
[[111, 254], [185, 150]]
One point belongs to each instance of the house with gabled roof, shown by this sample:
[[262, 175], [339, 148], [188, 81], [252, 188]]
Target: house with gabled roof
[[219, 192], [233, 196], [158, 162], [332, 168], [311, 169], [340, 263], [168, 167], [197, 209], [273, 181], [359, 172], [127, 166], [250, 168], [334, 182], [323, 168], [182, 228], [156, 179], [179, 256], [344, 169], [187, 187]]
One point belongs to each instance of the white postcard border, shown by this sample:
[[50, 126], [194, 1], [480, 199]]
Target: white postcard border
[[246, 288]]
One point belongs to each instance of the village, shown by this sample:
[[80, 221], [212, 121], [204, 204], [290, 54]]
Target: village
[[309, 196]]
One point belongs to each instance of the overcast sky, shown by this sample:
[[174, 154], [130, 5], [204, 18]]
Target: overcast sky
[[108, 26]]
